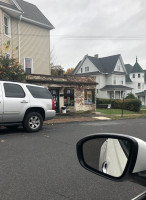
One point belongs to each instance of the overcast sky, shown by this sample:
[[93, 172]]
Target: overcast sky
[[103, 27]]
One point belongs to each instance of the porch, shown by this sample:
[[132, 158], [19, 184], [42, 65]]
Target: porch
[[116, 91]]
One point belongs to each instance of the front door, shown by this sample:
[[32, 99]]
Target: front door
[[55, 94]]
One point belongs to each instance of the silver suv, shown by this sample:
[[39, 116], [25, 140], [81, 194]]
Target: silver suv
[[25, 104]]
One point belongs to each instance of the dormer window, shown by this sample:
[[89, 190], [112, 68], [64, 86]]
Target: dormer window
[[133, 75], [138, 75], [7, 29]]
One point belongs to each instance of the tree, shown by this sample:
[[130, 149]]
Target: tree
[[69, 71], [10, 70], [57, 70], [130, 96]]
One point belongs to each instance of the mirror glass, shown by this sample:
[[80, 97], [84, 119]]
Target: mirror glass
[[107, 155]]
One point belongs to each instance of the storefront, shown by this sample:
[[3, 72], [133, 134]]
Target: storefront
[[75, 93]]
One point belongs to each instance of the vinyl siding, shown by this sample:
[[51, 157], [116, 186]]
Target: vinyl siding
[[35, 44], [1, 30], [5, 38]]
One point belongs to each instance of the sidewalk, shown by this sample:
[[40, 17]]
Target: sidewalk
[[76, 117]]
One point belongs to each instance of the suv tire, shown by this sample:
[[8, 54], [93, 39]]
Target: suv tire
[[33, 122]]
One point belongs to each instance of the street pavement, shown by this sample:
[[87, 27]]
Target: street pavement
[[44, 165]]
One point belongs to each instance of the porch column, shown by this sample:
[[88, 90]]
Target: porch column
[[120, 94], [114, 94]]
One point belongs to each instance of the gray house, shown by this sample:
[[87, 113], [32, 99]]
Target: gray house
[[136, 78]]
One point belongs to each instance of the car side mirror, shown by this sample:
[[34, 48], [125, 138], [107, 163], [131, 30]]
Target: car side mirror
[[113, 156]]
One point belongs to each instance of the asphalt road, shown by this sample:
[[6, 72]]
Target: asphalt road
[[44, 166]]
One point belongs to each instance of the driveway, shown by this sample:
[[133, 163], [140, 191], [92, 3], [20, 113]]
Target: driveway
[[44, 166]]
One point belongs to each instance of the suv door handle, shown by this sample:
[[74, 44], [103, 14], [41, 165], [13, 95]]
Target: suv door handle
[[23, 101]]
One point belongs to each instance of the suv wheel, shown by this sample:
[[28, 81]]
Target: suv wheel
[[33, 122]]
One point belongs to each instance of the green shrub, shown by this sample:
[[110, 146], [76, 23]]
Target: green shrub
[[128, 104], [130, 96]]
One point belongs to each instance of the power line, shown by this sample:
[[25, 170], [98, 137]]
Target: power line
[[86, 37]]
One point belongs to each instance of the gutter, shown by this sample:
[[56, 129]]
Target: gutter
[[11, 9], [37, 23]]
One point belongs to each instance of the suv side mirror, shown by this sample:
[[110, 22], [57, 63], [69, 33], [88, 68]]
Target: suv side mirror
[[114, 156]]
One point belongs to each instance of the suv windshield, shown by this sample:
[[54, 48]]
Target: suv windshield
[[38, 92]]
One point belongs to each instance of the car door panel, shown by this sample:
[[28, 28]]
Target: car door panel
[[15, 105]]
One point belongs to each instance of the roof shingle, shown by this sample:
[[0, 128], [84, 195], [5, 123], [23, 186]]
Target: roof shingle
[[31, 12]]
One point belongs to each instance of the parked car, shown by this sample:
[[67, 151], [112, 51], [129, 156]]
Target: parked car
[[25, 104], [115, 157]]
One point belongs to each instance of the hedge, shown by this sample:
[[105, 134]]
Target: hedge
[[129, 104]]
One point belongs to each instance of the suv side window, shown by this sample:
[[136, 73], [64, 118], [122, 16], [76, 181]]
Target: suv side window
[[38, 92], [13, 90]]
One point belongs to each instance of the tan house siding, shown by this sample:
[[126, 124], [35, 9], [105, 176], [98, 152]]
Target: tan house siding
[[26, 40], [7, 1], [4, 38], [35, 44], [1, 31], [15, 38]]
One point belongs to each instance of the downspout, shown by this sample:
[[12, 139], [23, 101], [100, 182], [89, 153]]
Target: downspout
[[19, 39]]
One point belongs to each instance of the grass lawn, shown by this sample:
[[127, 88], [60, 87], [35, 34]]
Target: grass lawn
[[114, 111]]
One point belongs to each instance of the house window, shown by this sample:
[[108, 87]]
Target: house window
[[118, 67], [97, 91], [7, 25], [114, 81], [81, 70], [133, 75], [139, 86], [28, 65], [89, 97], [68, 97], [87, 69], [138, 75]]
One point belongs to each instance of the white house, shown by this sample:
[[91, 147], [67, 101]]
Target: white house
[[136, 78], [110, 75]]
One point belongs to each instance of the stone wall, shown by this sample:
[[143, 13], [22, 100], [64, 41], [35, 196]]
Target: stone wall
[[78, 83]]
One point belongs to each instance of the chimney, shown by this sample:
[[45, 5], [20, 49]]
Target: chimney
[[96, 56]]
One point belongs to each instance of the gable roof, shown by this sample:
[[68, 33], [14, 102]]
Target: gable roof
[[28, 12], [104, 65], [31, 12]]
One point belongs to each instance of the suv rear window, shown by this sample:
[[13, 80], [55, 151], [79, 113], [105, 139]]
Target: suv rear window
[[38, 92]]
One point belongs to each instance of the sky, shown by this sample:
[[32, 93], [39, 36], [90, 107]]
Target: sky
[[103, 27]]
